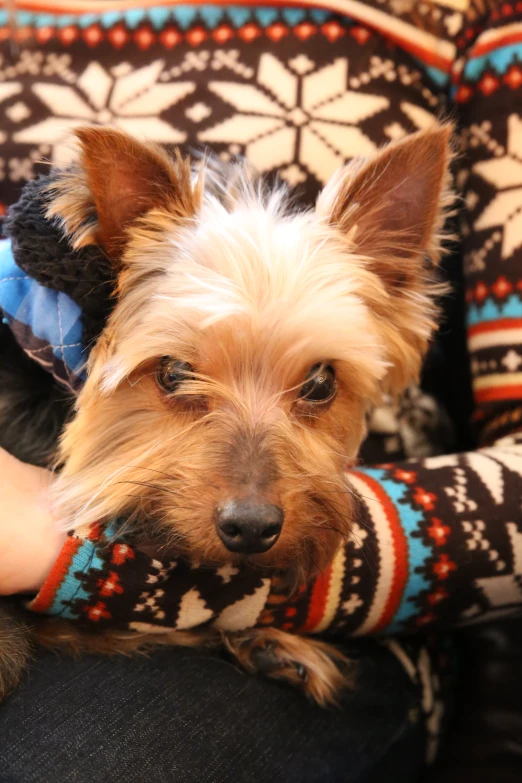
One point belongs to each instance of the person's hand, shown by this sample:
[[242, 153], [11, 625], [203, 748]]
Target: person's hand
[[29, 541]]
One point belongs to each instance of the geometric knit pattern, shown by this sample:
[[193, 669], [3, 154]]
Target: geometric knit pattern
[[436, 542], [298, 90]]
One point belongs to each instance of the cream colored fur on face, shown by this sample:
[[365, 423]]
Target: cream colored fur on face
[[215, 270]]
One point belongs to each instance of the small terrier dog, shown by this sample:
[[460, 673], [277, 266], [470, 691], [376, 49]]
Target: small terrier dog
[[248, 343]]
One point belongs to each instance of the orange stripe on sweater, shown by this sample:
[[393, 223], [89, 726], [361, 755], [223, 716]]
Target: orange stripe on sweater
[[493, 326], [490, 46], [432, 51], [46, 596], [498, 393]]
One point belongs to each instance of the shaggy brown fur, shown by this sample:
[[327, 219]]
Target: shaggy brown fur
[[15, 650], [250, 294]]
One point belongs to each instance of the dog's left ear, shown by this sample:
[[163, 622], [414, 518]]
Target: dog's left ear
[[117, 181], [392, 205], [391, 209]]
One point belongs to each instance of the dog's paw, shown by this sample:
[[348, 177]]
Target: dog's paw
[[314, 666], [268, 661]]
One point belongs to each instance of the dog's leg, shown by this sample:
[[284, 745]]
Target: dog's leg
[[315, 666], [15, 650], [63, 636]]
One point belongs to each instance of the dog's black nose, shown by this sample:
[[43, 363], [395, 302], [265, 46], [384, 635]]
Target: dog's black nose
[[248, 527]]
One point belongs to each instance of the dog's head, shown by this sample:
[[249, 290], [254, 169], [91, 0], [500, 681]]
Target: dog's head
[[229, 390]]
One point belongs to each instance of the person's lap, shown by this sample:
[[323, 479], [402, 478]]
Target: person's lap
[[186, 715]]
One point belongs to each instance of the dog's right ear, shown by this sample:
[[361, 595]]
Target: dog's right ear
[[117, 181]]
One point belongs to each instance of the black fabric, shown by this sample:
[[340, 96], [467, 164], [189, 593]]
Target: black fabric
[[34, 407], [40, 249], [446, 373], [484, 741], [95, 720]]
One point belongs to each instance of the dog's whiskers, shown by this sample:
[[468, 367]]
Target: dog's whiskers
[[148, 485], [171, 476]]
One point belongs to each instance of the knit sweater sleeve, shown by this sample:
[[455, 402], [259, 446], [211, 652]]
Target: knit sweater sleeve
[[434, 542]]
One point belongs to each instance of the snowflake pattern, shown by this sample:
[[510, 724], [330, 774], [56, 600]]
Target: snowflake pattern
[[505, 173], [129, 99], [293, 112]]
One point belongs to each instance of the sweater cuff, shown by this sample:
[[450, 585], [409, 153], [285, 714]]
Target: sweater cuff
[[106, 584], [71, 589]]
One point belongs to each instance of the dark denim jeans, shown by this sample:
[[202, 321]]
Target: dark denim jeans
[[190, 716]]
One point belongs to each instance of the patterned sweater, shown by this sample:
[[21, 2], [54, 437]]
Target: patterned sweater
[[299, 90]]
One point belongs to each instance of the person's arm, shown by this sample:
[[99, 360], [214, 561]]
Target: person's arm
[[29, 540]]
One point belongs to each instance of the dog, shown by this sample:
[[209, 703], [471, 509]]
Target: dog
[[250, 339]]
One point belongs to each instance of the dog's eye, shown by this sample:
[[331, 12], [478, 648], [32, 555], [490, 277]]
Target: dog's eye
[[171, 373], [320, 384]]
